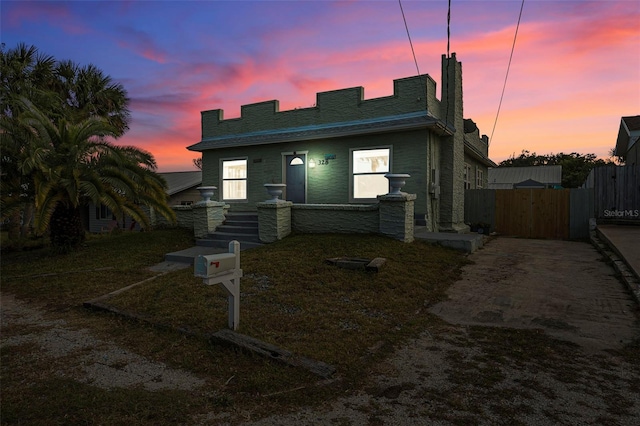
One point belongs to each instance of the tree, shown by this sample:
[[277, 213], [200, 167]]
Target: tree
[[71, 164], [54, 124], [24, 73], [575, 167], [198, 163]]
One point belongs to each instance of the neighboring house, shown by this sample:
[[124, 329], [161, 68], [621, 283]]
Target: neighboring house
[[533, 177], [627, 144], [338, 151], [181, 188]]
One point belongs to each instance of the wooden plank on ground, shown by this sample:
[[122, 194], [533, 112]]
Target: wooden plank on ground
[[267, 350]]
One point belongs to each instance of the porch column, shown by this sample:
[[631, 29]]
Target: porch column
[[396, 216], [274, 220], [207, 216]]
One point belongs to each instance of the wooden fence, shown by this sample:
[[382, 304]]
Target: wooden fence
[[531, 213], [617, 192]]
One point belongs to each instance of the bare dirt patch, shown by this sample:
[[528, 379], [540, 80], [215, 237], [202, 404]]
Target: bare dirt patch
[[79, 355]]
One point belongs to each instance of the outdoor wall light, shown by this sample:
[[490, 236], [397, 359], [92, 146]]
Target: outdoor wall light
[[312, 164]]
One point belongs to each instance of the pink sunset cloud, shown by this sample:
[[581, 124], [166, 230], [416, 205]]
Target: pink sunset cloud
[[50, 12], [142, 44]]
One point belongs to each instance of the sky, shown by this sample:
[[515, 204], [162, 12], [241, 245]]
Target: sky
[[575, 67]]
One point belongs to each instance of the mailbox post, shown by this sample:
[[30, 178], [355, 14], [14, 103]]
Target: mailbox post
[[223, 269]]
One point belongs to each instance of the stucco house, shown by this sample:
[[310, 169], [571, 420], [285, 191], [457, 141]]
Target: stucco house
[[627, 144], [338, 151]]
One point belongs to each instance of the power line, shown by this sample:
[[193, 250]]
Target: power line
[[446, 114], [448, 27], [409, 35], [507, 74]]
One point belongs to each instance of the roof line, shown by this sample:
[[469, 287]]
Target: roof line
[[332, 130]]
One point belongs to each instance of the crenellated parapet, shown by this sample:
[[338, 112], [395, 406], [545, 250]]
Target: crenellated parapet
[[411, 94]]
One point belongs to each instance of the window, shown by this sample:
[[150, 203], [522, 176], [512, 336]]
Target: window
[[369, 167], [467, 176], [103, 212], [479, 178], [234, 179]]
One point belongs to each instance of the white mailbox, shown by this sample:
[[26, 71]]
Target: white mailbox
[[223, 269], [213, 265]]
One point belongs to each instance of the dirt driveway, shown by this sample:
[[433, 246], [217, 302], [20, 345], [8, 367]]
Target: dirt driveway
[[563, 287]]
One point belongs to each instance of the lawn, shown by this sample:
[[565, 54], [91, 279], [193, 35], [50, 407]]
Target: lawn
[[290, 297]]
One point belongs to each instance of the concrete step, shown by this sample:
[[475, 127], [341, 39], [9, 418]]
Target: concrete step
[[233, 229], [241, 222], [250, 216], [187, 255], [230, 236], [224, 243]]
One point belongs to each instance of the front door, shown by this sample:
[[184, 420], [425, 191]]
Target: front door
[[296, 177]]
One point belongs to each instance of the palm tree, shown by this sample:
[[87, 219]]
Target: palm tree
[[87, 92], [54, 117], [72, 164], [24, 73]]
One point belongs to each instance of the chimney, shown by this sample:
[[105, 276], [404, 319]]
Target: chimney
[[452, 148]]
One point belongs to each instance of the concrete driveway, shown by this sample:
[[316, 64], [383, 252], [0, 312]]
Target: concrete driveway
[[566, 288]]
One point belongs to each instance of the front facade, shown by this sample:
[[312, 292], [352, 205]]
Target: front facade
[[338, 151]]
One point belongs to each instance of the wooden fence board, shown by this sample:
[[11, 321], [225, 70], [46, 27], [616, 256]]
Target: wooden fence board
[[550, 213], [617, 192], [528, 213]]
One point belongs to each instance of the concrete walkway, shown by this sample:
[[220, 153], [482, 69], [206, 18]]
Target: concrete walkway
[[621, 244], [625, 241], [468, 243]]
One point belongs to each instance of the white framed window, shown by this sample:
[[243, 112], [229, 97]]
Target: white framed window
[[479, 178], [234, 179], [467, 176], [103, 212], [368, 167]]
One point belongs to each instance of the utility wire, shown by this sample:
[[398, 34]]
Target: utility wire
[[446, 114], [507, 74], [448, 27], [415, 60], [409, 35]]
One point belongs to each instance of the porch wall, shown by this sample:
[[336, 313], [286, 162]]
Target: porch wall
[[334, 218]]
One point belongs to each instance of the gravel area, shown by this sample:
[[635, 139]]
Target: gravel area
[[87, 359]]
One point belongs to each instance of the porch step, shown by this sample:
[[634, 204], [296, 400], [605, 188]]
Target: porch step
[[239, 226], [224, 243], [237, 229], [187, 255]]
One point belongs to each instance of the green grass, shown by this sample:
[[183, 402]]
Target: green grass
[[290, 298], [293, 299]]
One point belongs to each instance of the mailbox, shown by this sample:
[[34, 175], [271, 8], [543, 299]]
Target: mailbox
[[213, 265]]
